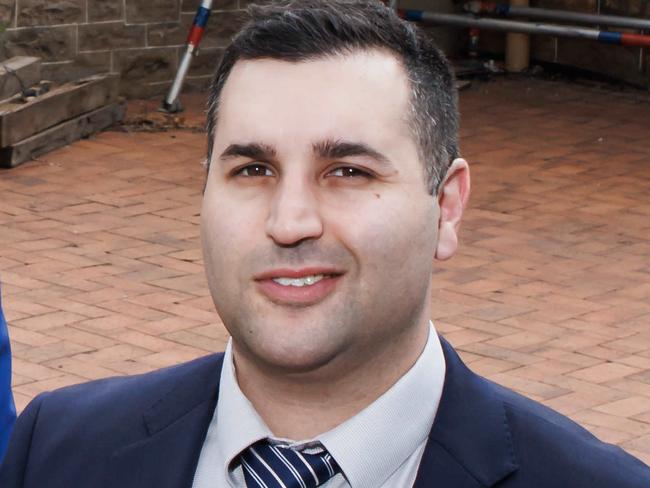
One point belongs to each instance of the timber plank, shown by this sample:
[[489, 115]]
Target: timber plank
[[19, 121], [61, 135], [27, 68]]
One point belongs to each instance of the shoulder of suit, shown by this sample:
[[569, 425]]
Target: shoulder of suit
[[550, 446], [134, 393], [86, 424]]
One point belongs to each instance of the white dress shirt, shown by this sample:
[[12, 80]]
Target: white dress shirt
[[380, 447]]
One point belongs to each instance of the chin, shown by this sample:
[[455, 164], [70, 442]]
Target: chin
[[297, 340], [294, 356]]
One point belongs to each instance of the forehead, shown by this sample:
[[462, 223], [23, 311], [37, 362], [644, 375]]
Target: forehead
[[362, 95]]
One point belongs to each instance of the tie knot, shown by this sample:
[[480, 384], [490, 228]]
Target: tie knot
[[266, 465]]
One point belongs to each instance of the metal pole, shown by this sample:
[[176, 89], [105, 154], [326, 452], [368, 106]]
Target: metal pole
[[171, 103], [528, 28], [641, 56], [478, 7]]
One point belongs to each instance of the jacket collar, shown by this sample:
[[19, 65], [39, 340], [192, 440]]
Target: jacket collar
[[470, 443], [175, 427]]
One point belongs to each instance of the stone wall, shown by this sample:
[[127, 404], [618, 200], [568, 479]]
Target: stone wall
[[141, 40]]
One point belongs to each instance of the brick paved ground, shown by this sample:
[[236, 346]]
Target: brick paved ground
[[550, 295]]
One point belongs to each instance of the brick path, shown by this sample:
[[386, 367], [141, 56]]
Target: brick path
[[550, 295]]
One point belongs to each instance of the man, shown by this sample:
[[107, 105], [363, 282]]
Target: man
[[334, 182], [7, 409]]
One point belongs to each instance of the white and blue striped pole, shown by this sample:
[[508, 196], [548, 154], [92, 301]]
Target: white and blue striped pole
[[564, 16], [607, 37]]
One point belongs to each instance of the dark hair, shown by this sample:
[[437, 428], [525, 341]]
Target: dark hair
[[302, 30]]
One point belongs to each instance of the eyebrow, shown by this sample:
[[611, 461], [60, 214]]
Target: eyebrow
[[327, 149], [336, 149], [252, 150]]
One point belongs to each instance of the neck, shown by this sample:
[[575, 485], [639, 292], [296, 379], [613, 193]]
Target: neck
[[337, 391]]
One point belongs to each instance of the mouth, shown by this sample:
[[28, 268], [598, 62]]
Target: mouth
[[300, 282], [298, 287]]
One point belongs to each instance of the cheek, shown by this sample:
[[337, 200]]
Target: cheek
[[390, 232], [230, 212], [225, 229]]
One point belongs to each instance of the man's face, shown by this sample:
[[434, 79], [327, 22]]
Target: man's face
[[318, 232]]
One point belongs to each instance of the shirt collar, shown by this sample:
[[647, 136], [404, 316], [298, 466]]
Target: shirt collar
[[239, 424], [374, 443], [370, 446]]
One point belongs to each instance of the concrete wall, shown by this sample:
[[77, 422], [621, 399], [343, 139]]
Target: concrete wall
[[626, 63], [142, 40], [630, 64], [451, 40]]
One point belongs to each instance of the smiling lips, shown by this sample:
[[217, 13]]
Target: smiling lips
[[298, 287]]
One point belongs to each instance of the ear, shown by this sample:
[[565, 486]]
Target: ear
[[452, 199]]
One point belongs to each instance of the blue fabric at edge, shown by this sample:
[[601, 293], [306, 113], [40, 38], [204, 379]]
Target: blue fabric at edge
[[7, 408]]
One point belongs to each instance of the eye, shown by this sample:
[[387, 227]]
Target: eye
[[349, 172], [254, 170]]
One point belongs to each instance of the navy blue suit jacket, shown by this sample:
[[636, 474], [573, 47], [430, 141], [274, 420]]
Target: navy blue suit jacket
[[147, 431]]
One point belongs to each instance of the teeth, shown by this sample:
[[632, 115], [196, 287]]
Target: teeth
[[306, 281]]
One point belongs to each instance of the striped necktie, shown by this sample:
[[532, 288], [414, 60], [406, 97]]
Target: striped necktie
[[270, 466]]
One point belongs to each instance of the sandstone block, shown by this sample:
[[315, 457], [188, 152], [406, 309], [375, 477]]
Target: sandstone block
[[246, 3], [105, 10], [168, 33], [206, 62], [197, 84], [222, 27], [95, 37], [19, 121], [8, 13], [48, 43], [50, 12], [58, 72], [193, 5], [145, 90], [14, 71], [2, 46], [83, 65], [152, 11], [62, 134], [137, 66]]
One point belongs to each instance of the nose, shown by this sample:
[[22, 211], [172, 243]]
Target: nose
[[294, 215]]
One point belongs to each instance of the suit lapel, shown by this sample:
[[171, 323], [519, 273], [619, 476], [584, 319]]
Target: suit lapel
[[175, 427], [470, 444]]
